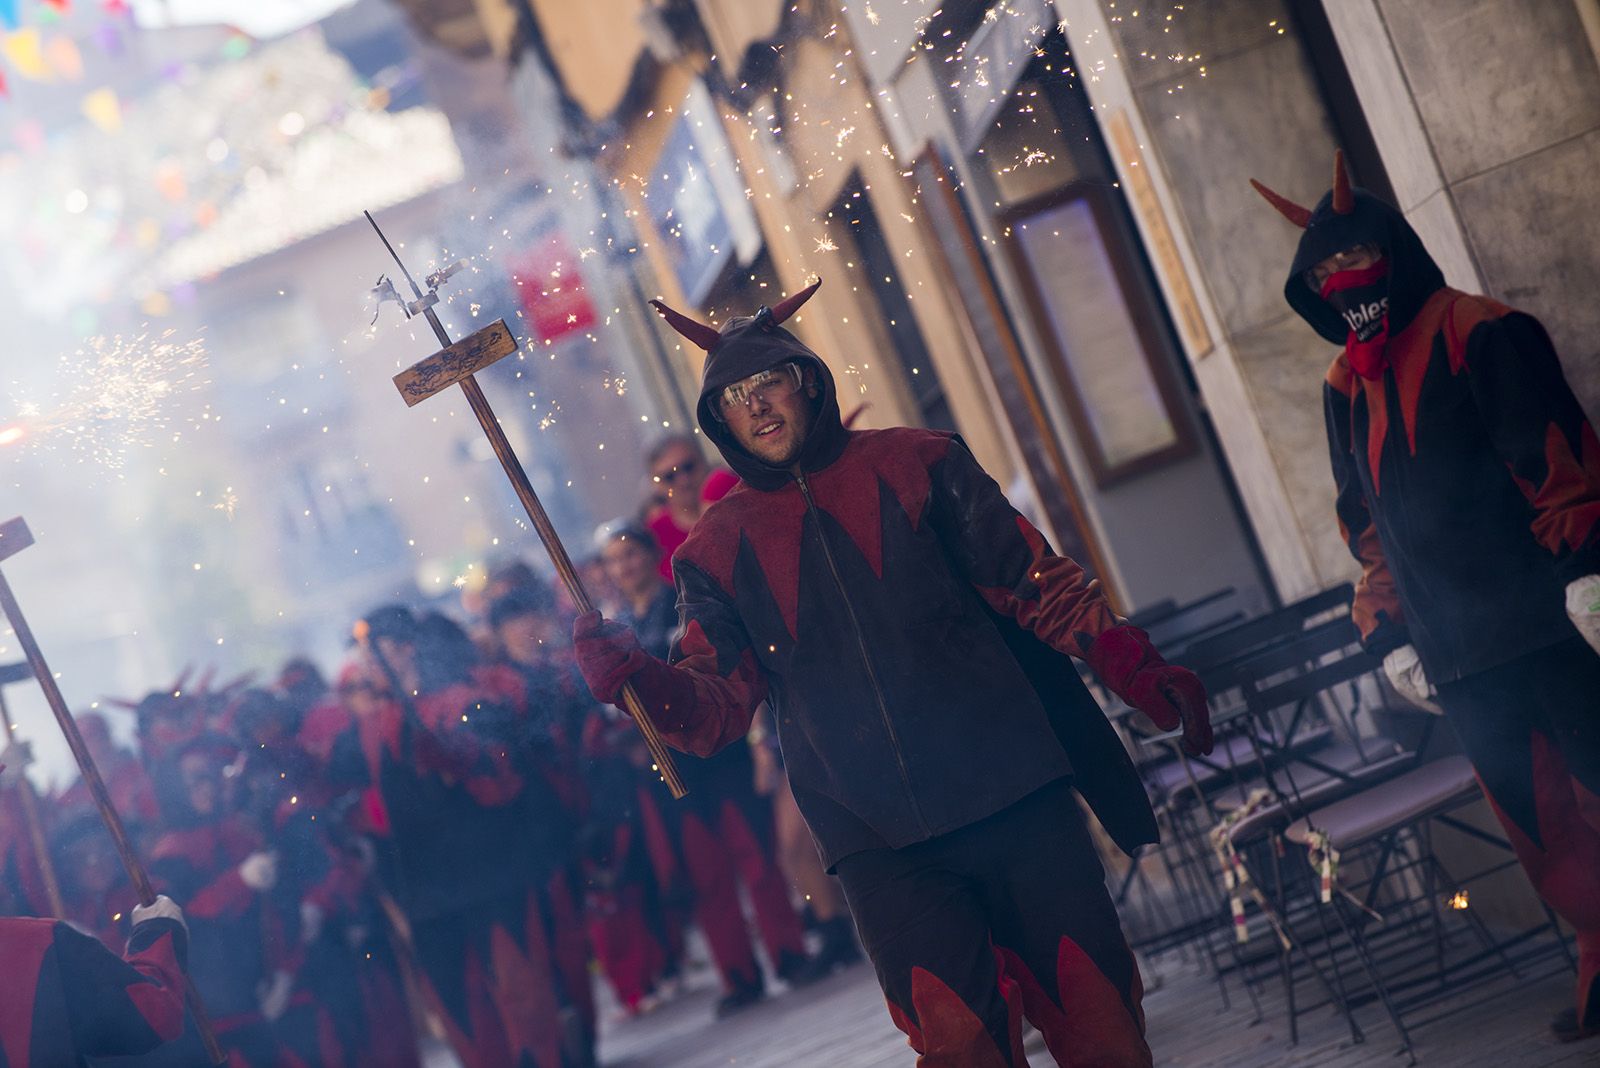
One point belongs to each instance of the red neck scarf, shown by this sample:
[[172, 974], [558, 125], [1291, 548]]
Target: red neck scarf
[[1362, 298]]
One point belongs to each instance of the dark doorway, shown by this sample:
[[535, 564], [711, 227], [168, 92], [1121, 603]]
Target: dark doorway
[[877, 267]]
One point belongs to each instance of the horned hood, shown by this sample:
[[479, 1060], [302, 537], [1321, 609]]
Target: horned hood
[[743, 346], [1347, 216]]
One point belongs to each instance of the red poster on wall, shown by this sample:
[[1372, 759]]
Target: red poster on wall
[[550, 288]]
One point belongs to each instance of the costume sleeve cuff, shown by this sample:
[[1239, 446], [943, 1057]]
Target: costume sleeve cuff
[[1385, 638]]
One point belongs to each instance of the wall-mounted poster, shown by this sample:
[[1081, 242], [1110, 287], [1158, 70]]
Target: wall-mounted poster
[[1119, 392]]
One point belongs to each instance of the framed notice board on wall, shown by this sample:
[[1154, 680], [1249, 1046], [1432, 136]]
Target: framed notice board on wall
[[1101, 337]]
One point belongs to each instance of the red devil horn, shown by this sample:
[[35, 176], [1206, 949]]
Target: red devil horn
[[1291, 211], [182, 679], [237, 683], [791, 304], [1343, 202], [701, 334]]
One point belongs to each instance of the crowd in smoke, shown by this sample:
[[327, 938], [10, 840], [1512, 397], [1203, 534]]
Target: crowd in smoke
[[445, 835]]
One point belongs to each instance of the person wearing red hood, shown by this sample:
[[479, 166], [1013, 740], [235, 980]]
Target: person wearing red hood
[[1467, 483], [908, 628], [65, 997]]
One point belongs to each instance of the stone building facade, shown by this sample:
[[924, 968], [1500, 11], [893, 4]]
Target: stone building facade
[[1135, 379]]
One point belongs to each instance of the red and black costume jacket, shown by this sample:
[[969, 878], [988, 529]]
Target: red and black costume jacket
[[64, 997], [905, 623], [238, 936], [472, 820], [1468, 476]]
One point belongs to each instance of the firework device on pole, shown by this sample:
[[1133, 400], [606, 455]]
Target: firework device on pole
[[456, 364], [14, 537]]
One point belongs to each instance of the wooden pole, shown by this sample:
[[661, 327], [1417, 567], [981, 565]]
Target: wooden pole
[[569, 574], [97, 790], [30, 816], [531, 504]]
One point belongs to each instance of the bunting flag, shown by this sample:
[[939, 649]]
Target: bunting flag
[[65, 58], [25, 50], [29, 135], [109, 38], [102, 108]]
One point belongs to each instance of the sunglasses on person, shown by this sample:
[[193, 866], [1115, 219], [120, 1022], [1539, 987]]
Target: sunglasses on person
[[767, 387], [688, 469]]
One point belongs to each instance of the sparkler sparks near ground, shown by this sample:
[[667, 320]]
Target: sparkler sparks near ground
[[117, 394]]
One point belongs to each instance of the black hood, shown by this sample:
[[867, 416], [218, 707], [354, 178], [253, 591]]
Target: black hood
[[750, 343], [1413, 276]]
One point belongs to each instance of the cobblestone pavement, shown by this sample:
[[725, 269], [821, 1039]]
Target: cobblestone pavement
[[841, 1023]]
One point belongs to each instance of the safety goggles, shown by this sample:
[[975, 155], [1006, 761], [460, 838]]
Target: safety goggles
[[1353, 258], [768, 387]]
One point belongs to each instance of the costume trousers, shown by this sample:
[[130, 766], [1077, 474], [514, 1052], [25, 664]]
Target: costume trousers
[[1532, 731], [631, 955], [1008, 917], [728, 845], [490, 973]]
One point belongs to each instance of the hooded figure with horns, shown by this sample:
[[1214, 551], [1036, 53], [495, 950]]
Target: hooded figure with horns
[[1468, 489], [911, 633]]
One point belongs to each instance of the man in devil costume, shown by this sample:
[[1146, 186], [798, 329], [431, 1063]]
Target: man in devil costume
[[906, 626], [65, 997], [1468, 488]]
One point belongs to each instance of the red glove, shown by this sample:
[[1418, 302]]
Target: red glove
[[608, 655], [1123, 658]]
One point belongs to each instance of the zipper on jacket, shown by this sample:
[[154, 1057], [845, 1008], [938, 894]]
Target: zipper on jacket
[[866, 659]]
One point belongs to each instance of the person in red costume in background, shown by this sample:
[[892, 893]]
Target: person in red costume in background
[[210, 855], [65, 997], [677, 472], [476, 836], [22, 888], [1467, 482], [910, 630], [132, 794], [723, 827]]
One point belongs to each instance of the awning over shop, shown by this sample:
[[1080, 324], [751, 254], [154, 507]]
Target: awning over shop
[[595, 45], [734, 25]]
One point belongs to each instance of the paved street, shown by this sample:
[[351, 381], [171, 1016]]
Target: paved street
[[842, 1024]]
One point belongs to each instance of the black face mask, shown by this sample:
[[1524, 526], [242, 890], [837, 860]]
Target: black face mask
[[1362, 298]]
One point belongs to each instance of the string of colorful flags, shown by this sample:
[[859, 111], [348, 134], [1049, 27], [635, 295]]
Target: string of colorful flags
[[35, 47]]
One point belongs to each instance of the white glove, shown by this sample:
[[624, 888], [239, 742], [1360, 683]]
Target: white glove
[[259, 871], [1404, 669], [162, 908], [1583, 608], [273, 994]]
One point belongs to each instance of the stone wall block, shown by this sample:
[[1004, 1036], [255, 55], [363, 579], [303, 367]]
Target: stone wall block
[[1535, 230], [1436, 222], [1495, 79], [1284, 363], [1386, 101], [1210, 148], [1155, 48]]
